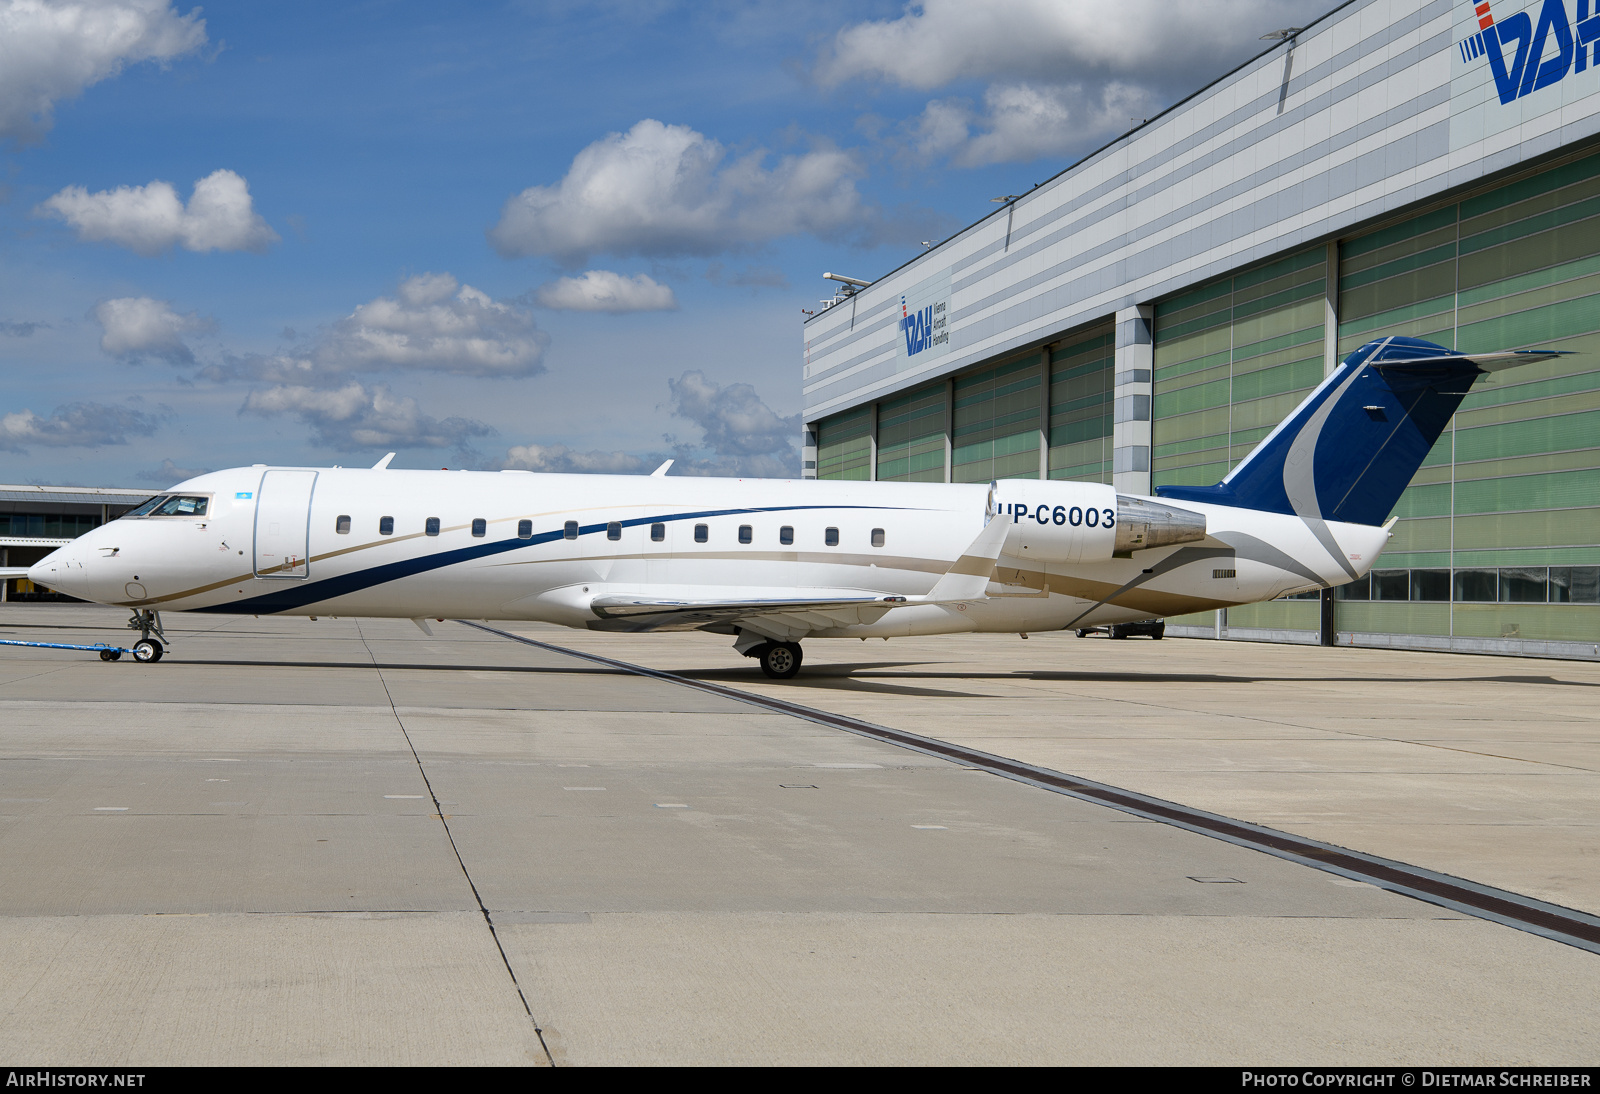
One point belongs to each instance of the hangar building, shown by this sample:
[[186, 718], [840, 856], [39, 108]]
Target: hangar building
[[1149, 314]]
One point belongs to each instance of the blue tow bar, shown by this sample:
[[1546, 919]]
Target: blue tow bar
[[106, 652]]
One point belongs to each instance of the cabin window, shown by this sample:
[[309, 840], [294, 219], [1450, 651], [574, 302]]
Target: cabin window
[[746, 533], [786, 534], [702, 533], [480, 527], [658, 532], [831, 537], [877, 537], [570, 531], [524, 529], [614, 530], [386, 526], [342, 525], [432, 527]]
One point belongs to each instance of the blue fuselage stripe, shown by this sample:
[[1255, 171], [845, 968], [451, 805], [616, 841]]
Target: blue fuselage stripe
[[305, 592]]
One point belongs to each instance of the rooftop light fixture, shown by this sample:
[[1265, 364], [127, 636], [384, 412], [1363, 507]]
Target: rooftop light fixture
[[1280, 35]]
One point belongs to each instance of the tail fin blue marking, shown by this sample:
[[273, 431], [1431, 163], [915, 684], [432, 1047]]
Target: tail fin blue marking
[[1348, 450]]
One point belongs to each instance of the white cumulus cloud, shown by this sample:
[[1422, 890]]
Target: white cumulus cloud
[[1065, 75], [1021, 122], [149, 219], [745, 436], [170, 473], [52, 49], [736, 421], [668, 190], [937, 42], [558, 458], [137, 327], [353, 417], [604, 290], [432, 324], [76, 425]]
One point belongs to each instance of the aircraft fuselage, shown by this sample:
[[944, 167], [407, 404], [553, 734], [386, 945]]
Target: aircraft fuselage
[[520, 546]]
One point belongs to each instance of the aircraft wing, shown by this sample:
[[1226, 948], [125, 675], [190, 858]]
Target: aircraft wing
[[785, 619], [780, 616]]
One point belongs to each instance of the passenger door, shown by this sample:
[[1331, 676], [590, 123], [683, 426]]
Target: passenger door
[[283, 523]]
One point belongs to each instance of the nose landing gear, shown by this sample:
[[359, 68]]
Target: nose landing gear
[[147, 651]]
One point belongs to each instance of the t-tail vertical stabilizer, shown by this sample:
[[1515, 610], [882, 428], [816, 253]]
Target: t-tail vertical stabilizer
[[1350, 449]]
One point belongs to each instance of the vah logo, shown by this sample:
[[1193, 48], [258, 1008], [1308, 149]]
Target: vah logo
[[1527, 68], [924, 327]]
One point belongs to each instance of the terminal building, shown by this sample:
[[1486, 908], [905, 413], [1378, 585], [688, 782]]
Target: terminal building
[[35, 520], [1148, 315]]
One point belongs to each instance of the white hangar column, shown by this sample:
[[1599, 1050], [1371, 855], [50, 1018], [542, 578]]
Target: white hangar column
[[1132, 390]]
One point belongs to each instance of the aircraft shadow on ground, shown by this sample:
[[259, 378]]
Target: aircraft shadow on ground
[[855, 677]]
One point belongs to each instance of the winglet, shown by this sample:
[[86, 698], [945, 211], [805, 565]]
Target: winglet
[[968, 578], [383, 464], [661, 472]]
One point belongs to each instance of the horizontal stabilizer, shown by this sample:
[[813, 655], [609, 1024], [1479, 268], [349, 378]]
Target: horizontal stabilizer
[[1488, 362]]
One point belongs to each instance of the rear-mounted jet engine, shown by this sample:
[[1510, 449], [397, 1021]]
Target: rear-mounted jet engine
[[1087, 522]]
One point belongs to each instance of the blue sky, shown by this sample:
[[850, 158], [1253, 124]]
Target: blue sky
[[553, 236]]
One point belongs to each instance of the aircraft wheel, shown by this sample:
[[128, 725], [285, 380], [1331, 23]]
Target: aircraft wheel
[[1083, 634], [1118, 632], [147, 651], [780, 660]]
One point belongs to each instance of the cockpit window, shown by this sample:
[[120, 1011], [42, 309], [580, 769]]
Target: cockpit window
[[180, 505], [144, 507], [171, 505]]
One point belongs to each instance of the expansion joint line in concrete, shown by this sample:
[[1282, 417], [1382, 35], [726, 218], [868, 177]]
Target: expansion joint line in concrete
[[1525, 913], [438, 812]]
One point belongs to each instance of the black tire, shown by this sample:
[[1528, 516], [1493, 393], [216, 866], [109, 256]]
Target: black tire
[[1118, 632], [1083, 634], [116, 655], [147, 651], [1159, 631], [108, 655], [780, 660]]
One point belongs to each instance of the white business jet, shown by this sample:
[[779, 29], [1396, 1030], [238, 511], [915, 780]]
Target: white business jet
[[772, 562]]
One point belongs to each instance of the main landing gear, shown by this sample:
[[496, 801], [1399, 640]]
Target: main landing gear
[[779, 660], [146, 651]]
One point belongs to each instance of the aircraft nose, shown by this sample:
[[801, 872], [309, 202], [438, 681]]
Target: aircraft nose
[[58, 570]]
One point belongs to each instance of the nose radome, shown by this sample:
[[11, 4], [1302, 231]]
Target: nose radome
[[57, 570]]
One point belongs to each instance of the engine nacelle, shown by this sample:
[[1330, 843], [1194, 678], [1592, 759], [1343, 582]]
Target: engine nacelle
[[1086, 521]]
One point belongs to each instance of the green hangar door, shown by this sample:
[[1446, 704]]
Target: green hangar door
[[283, 523]]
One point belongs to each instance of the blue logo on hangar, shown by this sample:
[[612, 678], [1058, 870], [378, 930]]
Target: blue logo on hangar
[[924, 327], [1527, 69]]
